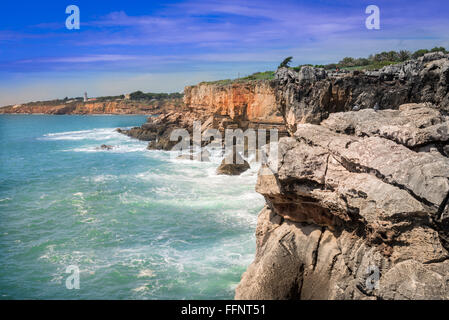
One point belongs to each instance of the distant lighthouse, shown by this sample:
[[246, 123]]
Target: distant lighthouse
[[85, 96]]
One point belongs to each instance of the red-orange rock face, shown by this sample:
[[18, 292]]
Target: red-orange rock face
[[253, 101]]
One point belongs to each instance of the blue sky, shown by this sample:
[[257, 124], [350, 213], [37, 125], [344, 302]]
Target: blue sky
[[161, 46]]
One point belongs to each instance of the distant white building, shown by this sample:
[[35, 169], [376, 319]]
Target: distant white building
[[85, 97], [127, 96]]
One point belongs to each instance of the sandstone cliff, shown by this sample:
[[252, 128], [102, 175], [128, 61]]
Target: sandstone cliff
[[245, 104], [253, 101], [359, 205]]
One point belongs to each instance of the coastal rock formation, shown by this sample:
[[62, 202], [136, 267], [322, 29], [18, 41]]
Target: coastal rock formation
[[357, 209], [310, 95], [416, 126], [157, 130], [252, 101], [106, 147], [106, 107], [307, 96], [244, 105], [233, 164]]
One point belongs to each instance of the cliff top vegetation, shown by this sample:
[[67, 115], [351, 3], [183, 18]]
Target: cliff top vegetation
[[137, 96], [372, 62]]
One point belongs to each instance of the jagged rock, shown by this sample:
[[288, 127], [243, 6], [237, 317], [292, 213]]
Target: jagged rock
[[307, 73], [304, 97], [348, 199], [413, 125], [157, 130], [239, 102], [233, 164], [446, 150], [106, 147], [234, 105], [139, 133]]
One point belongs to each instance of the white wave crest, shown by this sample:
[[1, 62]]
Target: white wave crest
[[94, 134]]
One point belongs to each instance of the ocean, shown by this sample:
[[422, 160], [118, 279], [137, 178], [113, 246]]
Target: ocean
[[137, 224]]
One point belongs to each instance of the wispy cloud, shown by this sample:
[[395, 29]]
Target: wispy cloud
[[82, 59]]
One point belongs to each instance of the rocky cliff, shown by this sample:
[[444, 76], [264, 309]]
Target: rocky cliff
[[241, 104], [309, 96], [253, 101], [107, 107], [358, 207]]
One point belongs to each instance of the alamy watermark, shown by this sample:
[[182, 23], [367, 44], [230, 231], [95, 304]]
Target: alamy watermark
[[372, 279], [73, 20], [73, 280], [372, 22]]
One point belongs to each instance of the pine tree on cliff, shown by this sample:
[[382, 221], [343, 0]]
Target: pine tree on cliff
[[285, 63]]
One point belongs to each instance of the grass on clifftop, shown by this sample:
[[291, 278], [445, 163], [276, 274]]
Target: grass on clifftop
[[137, 96], [267, 75], [373, 62]]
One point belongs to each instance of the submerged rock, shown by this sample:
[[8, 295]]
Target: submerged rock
[[106, 147]]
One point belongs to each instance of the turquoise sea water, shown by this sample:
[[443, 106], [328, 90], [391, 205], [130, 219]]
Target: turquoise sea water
[[137, 223]]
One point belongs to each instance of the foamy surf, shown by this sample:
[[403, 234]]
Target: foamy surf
[[139, 223], [113, 149], [94, 134], [117, 142]]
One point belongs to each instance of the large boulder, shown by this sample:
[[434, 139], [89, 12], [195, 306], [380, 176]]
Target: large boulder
[[412, 125], [233, 164], [106, 147]]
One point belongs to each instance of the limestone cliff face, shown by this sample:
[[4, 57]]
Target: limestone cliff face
[[358, 207], [108, 107], [254, 101]]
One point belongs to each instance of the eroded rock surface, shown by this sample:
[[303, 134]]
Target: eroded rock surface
[[311, 95], [240, 105], [244, 101], [157, 130], [119, 106], [417, 126], [356, 195]]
